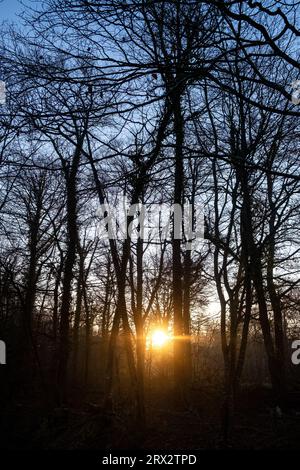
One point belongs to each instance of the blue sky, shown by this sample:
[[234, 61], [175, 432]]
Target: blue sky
[[9, 8]]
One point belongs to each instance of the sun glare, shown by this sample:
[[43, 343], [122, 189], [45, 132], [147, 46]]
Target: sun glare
[[159, 338]]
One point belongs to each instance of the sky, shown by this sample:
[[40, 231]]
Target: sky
[[9, 8]]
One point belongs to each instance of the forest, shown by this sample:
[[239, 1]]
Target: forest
[[150, 225]]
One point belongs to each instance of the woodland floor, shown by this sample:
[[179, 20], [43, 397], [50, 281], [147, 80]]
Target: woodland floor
[[24, 426]]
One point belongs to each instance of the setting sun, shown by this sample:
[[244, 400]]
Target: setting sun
[[159, 338]]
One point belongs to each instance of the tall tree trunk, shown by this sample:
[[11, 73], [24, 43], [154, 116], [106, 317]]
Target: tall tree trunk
[[140, 338], [76, 327], [72, 242], [279, 334], [56, 302], [88, 337], [176, 255], [257, 278], [187, 315]]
